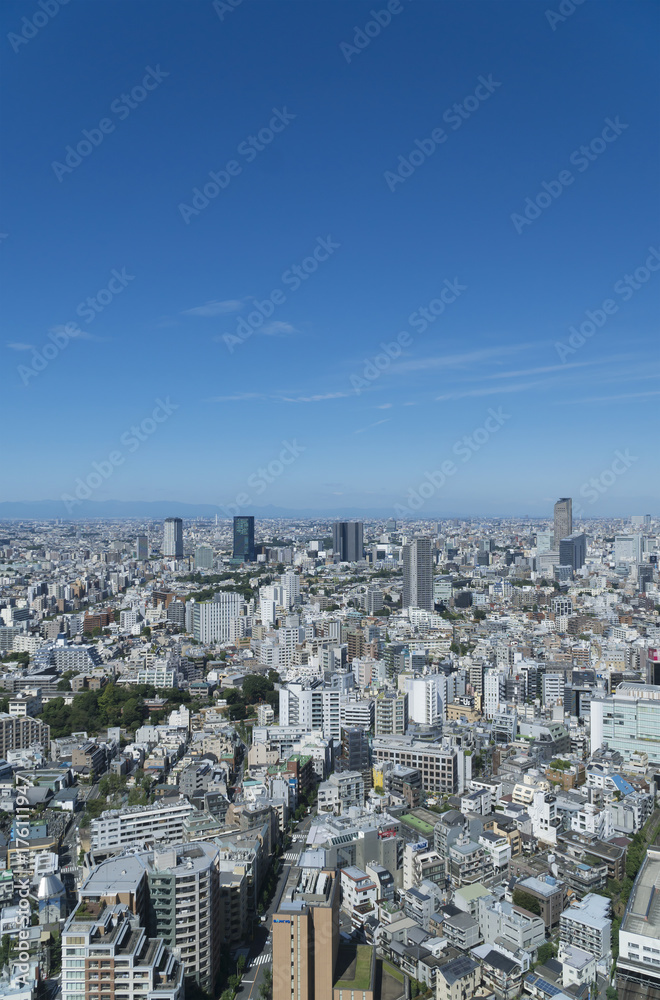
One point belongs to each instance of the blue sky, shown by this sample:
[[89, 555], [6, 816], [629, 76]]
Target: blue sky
[[448, 230]]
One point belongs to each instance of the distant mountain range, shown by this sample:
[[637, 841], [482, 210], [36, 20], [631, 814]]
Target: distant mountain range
[[50, 510]]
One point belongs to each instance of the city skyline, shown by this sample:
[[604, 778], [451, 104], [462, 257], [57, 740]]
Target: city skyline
[[384, 288]]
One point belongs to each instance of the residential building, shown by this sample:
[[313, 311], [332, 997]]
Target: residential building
[[550, 893], [587, 925], [391, 715], [517, 927], [418, 575], [340, 792], [458, 979], [20, 733], [212, 620], [107, 953], [139, 824], [314, 708]]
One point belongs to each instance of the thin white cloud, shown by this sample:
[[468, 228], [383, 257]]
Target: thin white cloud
[[490, 391], [72, 331], [240, 397], [277, 328], [377, 423], [317, 398], [609, 399], [462, 360], [385, 406], [19, 346], [214, 308]]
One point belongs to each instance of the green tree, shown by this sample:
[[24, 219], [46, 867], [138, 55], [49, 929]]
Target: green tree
[[526, 901]]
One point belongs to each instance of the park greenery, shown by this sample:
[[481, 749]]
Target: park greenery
[[113, 705]]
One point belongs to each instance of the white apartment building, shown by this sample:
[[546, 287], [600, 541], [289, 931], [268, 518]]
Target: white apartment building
[[492, 683], [587, 925], [137, 824], [542, 812], [357, 890], [357, 713], [312, 708], [592, 819], [426, 698], [518, 928], [211, 620], [553, 689]]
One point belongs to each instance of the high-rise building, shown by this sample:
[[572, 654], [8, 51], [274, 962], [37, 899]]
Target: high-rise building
[[573, 551], [563, 520], [142, 547], [347, 540], [355, 752], [391, 715], [173, 540], [211, 620], [306, 936], [244, 539], [418, 575], [203, 557], [628, 720]]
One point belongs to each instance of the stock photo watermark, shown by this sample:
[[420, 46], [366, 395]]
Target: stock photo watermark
[[264, 476], [464, 448], [364, 36], [130, 440], [121, 107], [31, 26], [596, 319], [221, 179], [594, 488], [566, 8], [581, 159], [61, 336], [454, 116], [224, 7], [293, 278], [420, 320]]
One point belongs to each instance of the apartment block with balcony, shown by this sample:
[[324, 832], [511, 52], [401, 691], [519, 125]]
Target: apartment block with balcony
[[106, 953]]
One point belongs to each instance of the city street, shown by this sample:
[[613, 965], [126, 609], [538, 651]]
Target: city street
[[261, 952]]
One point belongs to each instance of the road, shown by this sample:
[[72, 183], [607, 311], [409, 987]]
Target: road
[[261, 952]]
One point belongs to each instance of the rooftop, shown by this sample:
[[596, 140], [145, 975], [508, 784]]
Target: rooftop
[[642, 914]]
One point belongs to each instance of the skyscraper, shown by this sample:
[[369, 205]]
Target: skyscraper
[[244, 539], [573, 551], [347, 540], [418, 575], [563, 519], [142, 547], [173, 540]]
